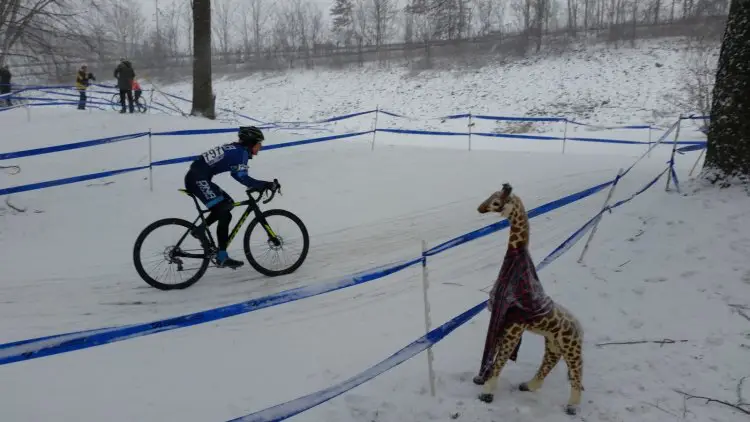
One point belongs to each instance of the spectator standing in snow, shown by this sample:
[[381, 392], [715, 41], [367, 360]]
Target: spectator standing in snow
[[125, 74], [5, 76], [82, 83]]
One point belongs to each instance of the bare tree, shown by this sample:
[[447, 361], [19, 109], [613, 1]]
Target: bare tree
[[317, 30], [253, 24], [484, 14], [572, 17], [187, 16], [524, 14], [408, 26], [29, 28], [382, 14], [203, 98], [361, 22], [282, 31], [223, 17], [424, 24], [499, 13], [342, 26], [170, 32], [451, 18], [125, 24]]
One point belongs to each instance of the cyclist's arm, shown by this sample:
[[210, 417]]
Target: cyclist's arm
[[239, 173]]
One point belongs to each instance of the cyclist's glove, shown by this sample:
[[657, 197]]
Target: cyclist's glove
[[272, 186]]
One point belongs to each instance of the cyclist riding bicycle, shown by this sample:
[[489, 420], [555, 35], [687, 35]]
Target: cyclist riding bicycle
[[230, 157]]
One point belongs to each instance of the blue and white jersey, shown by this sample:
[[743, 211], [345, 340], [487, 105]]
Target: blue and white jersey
[[230, 157]]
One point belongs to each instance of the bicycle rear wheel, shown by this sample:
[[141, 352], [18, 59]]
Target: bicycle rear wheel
[[186, 255], [292, 237]]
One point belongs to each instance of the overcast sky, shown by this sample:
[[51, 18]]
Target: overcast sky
[[149, 6]]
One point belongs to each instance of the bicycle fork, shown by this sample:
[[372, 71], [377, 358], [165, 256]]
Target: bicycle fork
[[272, 237]]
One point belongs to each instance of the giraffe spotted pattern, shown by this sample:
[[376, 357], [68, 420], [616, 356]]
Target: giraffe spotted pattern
[[562, 332]]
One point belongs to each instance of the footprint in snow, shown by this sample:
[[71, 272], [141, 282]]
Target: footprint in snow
[[634, 323], [655, 279]]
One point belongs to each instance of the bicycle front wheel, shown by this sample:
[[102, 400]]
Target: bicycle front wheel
[[167, 241], [116, 102], [280, 250]]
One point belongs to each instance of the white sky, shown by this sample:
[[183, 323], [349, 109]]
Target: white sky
[[149, 6]]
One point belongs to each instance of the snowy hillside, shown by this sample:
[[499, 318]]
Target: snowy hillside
[[598, 84], [667, 273]]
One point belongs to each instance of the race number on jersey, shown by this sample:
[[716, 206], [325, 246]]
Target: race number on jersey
[[213, 155]]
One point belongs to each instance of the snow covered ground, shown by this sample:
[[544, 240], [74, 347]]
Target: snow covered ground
[[596, 84], [664, 266]]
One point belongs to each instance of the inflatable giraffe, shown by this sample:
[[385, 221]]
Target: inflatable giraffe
[[518, 303]]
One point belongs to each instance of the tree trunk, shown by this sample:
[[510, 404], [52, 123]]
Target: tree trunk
[[203, 98], [728, 153]]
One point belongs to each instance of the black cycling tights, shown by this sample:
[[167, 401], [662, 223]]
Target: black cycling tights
[[222, 214]]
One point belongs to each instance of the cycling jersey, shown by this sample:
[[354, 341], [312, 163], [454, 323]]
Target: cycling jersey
[[230, 157]]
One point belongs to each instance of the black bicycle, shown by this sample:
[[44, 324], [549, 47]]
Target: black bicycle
[[139, 104], [180, 254]]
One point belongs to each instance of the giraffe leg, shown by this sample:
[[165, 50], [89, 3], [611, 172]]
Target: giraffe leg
[[552, 355], [511, 337], [573, 354]]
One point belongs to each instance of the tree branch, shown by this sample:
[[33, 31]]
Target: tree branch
[[660, 342], [737, 407], [739, 310]]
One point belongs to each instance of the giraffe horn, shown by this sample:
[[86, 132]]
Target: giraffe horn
[[507, 189]]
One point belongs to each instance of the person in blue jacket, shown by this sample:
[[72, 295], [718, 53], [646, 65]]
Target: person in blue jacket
[[231, 157]]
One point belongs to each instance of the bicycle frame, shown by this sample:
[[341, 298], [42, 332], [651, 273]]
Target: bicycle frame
[[252, 206]]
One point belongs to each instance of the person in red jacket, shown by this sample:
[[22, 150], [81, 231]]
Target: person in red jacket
[[137, 91]]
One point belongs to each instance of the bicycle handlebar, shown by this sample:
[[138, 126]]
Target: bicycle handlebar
[[276, 188]]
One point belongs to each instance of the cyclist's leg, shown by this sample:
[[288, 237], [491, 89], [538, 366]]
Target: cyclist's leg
[[221, 212], [220, 204], [210, 194]]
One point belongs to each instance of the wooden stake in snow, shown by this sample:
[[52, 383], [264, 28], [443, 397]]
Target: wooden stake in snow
[[427, 322], [375, 127], [150, 163], [470, 125], [599, 219]]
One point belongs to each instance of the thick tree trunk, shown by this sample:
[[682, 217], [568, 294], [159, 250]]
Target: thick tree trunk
[[203, 98], [728, 153]]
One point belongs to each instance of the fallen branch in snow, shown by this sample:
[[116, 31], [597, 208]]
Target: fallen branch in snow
[[99, 184], [11, 206], [739, 310], [660, 408], [739, 406], [660, 342], [12, 170], [740, 401]]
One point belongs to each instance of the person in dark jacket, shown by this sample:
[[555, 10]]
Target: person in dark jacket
[[5, 76], [83, 79], [125, 74]]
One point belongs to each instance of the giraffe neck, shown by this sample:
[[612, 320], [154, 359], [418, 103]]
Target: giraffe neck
[[519, 226]]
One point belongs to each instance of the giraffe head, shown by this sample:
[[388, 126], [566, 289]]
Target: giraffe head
[[499, 202]]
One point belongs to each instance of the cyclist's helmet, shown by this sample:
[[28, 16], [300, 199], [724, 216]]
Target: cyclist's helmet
[[250, 135]]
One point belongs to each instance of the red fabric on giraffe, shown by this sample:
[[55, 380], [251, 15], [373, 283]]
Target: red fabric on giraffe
[[517, 296]]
